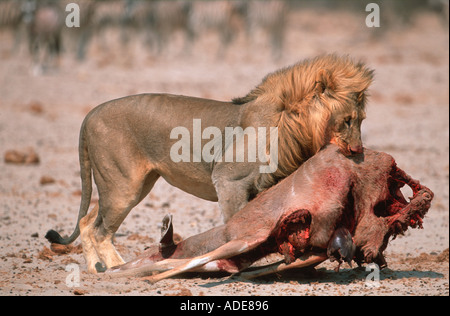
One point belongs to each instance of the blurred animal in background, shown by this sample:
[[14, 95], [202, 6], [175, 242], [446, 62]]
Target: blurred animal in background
[[220, 16], [76, 39], [44, 36], [270, 17], [14, 16], [164, 21], [441, 7], [110, 26]]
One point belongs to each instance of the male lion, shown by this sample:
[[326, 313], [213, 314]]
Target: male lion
[[126, 143]]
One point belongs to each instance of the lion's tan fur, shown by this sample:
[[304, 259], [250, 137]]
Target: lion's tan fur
[[308, 94]]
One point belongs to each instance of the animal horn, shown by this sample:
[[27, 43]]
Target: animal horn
[[166, 232]]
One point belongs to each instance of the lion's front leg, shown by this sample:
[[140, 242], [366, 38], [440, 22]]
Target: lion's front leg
[[235, 186], [232, 197]]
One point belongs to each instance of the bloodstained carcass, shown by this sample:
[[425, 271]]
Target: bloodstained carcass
[[333, 207]]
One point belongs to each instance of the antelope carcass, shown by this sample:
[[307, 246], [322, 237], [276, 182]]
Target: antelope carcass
[[333, 207]]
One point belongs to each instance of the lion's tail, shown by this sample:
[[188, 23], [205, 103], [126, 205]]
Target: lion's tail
[[86, 189]]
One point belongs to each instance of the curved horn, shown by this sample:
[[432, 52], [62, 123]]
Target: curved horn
[[167, 232]]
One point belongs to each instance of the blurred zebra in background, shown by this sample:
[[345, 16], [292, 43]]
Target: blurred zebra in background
[[154, 23], [106, 21], [164, 19], [44, 35], [76, 39], [39, 25], [111, 25], [14, 16], [223, 17], [270, 17]]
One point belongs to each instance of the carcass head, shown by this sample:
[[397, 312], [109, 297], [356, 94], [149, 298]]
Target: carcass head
[[387, 213]]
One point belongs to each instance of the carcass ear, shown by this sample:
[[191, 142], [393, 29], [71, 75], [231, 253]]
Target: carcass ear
[[324, 81]]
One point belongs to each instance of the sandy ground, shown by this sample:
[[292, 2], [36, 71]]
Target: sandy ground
[[408, 117]]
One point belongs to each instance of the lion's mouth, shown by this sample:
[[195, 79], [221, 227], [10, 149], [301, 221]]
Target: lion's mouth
[[346, 148]]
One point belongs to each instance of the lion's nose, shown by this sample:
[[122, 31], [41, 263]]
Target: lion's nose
[[355, 149]]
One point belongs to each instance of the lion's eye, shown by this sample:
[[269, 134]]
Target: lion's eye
[[348, 121]]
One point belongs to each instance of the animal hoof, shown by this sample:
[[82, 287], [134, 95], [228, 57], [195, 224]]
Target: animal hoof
[[100, 267], [341, 246]]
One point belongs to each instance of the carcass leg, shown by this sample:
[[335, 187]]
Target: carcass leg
[[230, 249], [138, 269], [301, 262]]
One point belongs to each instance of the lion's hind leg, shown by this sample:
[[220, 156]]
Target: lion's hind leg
[[116, 199], [86, 229]]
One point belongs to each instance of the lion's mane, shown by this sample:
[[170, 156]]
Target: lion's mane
[[304, 97]]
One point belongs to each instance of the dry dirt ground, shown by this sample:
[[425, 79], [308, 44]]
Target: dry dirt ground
[[408, 117]]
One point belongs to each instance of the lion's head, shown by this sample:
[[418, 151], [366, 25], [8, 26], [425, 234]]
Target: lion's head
[[314, 102]]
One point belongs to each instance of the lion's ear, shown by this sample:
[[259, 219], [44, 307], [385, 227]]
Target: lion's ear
[[324, 81]]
